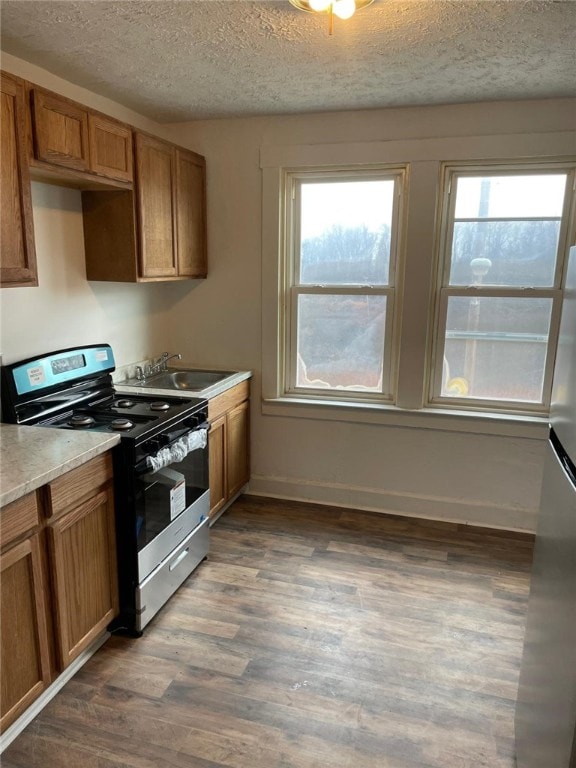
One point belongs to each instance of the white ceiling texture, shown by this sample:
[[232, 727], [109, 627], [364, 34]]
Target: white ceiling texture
[[179, 60]]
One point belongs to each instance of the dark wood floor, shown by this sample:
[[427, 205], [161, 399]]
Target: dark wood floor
[[312, 637]]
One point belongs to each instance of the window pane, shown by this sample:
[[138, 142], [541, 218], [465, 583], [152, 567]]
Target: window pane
[[510, 196], [345, 232], [495, 348], [515, 253], [341, 342]]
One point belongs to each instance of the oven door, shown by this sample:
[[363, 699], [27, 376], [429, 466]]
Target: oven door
[[171, 501]]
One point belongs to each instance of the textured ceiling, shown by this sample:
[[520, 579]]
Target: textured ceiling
[[176, 60]]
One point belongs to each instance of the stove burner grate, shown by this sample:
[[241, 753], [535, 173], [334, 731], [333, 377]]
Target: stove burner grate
[[159, 405], [81, 420], [121, 424]]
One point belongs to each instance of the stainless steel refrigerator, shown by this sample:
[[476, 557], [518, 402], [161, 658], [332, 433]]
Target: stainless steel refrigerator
[[546, 706]]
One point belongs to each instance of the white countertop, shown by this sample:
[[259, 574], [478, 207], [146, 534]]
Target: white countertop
[[33, 456]]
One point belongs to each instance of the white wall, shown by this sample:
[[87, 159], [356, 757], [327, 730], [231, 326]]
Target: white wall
[[65, 310], [479, 479], [475, 478]]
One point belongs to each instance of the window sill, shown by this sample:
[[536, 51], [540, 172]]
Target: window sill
[[471, 422]]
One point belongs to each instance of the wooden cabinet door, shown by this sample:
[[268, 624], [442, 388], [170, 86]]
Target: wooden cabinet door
[[82, 552], [60, 129], [191, 214], [155, 207], [18, 254], [25, 662], [237, 448], [217, 459], [110, 148]]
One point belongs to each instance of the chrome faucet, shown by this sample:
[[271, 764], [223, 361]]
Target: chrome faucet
[[166, 357], [157, 366]]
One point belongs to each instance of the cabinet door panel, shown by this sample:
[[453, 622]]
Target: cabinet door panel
[[110, 148], [17, 232], [217, 457], [237, 448], [155, 175], [25, 663], [191, 214], [83, 561], [60, 131]]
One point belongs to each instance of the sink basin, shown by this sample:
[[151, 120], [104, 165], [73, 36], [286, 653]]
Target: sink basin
[[193, 381]]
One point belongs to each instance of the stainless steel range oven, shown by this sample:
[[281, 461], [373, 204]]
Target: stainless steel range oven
[[160, 466]]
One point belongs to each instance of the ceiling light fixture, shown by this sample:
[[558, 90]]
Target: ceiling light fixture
[[344, 9]]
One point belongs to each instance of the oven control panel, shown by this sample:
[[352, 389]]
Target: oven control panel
[[66, 366]]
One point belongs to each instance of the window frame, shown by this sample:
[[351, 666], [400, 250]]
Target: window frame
[[292, 289], [443, 291], [424, 158]]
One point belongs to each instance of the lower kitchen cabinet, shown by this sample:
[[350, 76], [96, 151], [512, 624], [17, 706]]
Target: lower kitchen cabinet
[[237, 448], [59, 585], [24, 640], [81, 552], [217, 459], [229, 445]]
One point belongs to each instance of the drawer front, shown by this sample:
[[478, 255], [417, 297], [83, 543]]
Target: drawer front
[[18, 518], [153, 593], [78, 484], [227, 400]]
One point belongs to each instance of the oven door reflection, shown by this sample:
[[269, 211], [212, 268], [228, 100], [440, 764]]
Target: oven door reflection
[[170, 503]]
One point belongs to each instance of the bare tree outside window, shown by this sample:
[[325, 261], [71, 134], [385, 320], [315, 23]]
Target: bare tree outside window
[[501, 258], [342, 292]]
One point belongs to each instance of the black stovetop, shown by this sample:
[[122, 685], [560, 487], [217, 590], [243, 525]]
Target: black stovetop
[[131, 416]]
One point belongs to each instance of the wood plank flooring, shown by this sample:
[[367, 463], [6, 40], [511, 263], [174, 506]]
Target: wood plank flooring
[[312, 637]]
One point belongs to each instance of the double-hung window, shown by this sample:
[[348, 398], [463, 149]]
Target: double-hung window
[[422, 286], [342, 243], [504, 235]]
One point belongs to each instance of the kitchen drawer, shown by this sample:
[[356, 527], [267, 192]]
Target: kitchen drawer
[[18, 518], [153, 593], [227, 400], [73, 487]]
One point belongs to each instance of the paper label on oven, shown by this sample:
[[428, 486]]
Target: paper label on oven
[[177, 499], [36, 375], [101, 355]]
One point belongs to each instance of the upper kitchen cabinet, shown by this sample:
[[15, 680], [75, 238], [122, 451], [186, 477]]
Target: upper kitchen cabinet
[[156, 207], [170, 197], [67, 135], [110, 148], [191, 214], [60, 130], [18, 255], [158, 231]]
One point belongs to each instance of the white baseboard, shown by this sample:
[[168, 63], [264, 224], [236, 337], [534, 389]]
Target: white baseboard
[[463, 511], [34, 709]]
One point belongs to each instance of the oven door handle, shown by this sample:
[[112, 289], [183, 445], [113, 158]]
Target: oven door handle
[[143, 466], [172, 437], [174, 453]]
